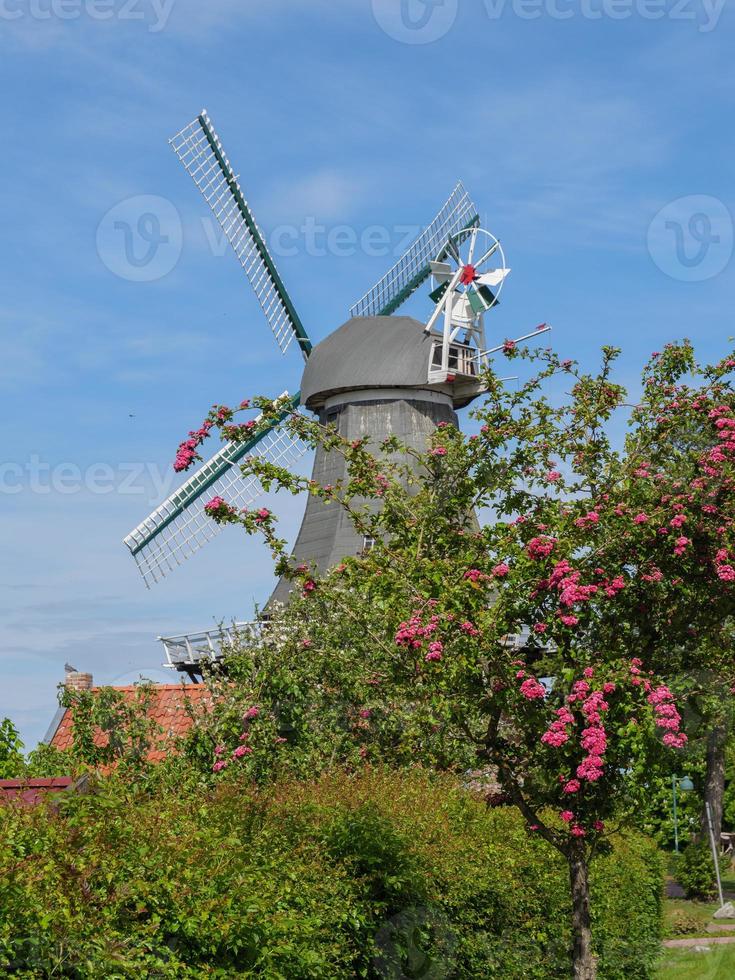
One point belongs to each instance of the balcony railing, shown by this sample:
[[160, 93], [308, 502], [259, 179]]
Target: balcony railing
[[187, 651]]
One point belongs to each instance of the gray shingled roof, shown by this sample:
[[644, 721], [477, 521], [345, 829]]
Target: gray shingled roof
[[367, 352]]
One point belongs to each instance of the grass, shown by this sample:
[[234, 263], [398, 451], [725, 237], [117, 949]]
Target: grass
[[684, 919], [683, 964]]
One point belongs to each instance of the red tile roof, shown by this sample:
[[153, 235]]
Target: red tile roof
[[170, 706], [31, 791]]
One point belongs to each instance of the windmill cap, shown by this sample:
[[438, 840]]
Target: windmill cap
[[371, 352]]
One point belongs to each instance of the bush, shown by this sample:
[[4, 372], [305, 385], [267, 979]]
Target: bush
[[680, 922], [695, 870], [374, 875]]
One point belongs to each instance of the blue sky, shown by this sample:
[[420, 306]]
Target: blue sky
[[572, 126]]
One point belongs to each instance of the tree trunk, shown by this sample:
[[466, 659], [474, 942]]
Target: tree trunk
[[714, 784], [584, 964]]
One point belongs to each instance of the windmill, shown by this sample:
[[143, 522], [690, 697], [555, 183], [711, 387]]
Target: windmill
[[378, 374]]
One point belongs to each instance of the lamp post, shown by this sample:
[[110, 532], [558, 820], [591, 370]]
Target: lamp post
[[685, 785]]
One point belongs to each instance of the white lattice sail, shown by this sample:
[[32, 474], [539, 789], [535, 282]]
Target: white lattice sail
[[201, 152], [413, 268], [180, 526]]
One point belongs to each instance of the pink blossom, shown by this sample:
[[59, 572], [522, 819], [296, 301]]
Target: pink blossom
[[578, 831], [590, 769], [572, 786], [216, 505], [681, 545], [599, 826], [532, 690], [435, 651], [594, 741], [540, 547], [540, 627], [568, 620], [588, 672], [553, 475], [640, 518], [251, 713], [556, 737], [500, 571], [590, 519], [674, 741], [240, 751], [726, 573], [365, 713], [468, 628], [219, 765], [567, 816], [438, 451]]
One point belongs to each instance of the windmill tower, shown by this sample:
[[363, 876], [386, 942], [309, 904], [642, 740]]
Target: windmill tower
[[376, 375]]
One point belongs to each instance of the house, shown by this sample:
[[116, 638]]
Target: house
[[31, 790], [172, 707]]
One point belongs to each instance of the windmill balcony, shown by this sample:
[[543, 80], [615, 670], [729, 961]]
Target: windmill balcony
[[462, 362], [187, 651]]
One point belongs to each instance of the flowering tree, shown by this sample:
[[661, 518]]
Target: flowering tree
[[535, 646]]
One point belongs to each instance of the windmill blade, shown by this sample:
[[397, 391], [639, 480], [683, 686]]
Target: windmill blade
[[413, 268], [441, 271], [486, 255], [180, 526], [200, 151], [481, 299], [493, 277]]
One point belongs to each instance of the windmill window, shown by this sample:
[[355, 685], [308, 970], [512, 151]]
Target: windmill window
[[461, 358], [332, 417], [368, 543]]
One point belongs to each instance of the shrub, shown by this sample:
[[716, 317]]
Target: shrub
[[695, 870], [370, 875], [680, 922]]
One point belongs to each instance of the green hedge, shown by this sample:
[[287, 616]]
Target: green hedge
[[376, 875]]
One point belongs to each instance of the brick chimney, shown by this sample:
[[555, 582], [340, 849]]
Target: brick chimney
[[76, 680]]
